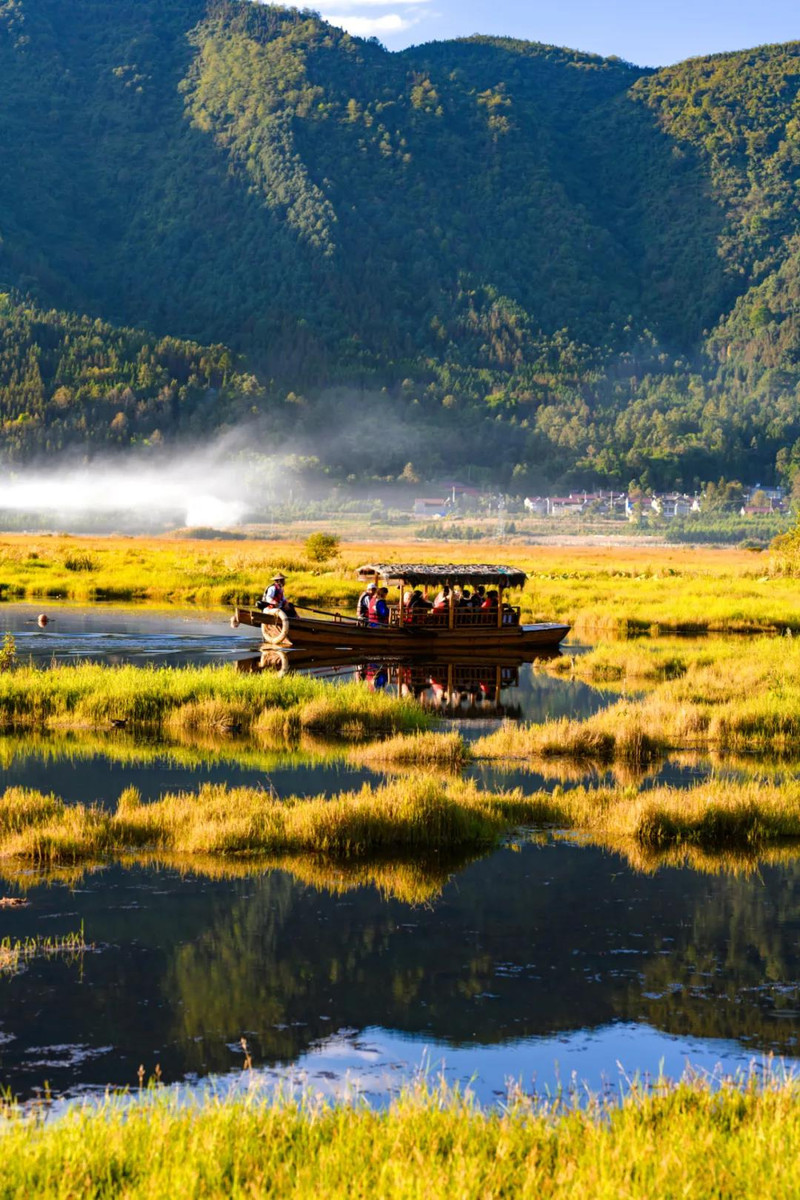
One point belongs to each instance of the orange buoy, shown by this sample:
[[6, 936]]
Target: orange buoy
[[42, 620]]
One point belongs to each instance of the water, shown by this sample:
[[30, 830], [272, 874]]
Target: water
[[80, 773], [115, 635], [529, 965]]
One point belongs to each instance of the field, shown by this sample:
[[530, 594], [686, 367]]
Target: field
[[615, 589]]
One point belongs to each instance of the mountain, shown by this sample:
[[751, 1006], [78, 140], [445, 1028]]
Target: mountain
[[538, 265]]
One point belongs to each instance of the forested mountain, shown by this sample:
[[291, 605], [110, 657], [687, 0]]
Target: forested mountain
[[551, 267]]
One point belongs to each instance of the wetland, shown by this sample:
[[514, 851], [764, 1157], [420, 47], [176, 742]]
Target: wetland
[[236, 874]]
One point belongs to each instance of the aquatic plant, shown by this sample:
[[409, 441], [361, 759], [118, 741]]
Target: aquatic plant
[[614, 590], [198, 699], [421, 811], [15, 952]]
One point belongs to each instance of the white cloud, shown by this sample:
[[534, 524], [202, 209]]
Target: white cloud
[[378, 3], [371, 26]]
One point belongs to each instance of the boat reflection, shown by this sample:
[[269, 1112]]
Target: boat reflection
[[474, 689]]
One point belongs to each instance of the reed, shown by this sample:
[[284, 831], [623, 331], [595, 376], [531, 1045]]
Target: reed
[[198, 700], [421, 812], [440, 750], [16, 952], [613, 589], [739, 1139]]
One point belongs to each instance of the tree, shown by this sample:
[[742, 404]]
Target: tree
[[321, 546]]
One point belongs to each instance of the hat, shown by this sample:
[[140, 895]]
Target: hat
[[371, 586], [278, 577]]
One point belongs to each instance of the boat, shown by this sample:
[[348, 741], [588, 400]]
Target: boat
[[455, 629]]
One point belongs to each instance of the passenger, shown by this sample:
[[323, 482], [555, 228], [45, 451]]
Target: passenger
[[378, 608], [466, 599], [479, 596], [442, 601], [275, 597], [490, 603], [416, 607], [362, 608]]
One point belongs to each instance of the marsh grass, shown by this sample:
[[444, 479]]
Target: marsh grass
[[16, 952], [422, 812], [613, 590], [730, 1138], [198, 700], [446, 751]]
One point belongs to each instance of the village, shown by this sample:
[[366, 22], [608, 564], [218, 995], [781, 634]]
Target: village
[[634, 506]]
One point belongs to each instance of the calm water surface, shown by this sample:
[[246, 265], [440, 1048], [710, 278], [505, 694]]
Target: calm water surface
[[170, 637], [529, 965]]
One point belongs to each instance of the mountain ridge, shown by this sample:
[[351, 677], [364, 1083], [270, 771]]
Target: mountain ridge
[[589, 267]]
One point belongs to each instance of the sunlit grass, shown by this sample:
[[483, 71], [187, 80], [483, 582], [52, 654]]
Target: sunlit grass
[[199, 700], [612, 589], [16, 952], [739, 1139], [422, 811]]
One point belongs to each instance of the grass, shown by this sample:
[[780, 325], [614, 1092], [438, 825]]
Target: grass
[[422, 813], [197, 700], [444, 751], [730, 697], [693, 1139], [15, 952], [613, 589]]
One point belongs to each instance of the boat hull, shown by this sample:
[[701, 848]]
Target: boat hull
[[343, 634]]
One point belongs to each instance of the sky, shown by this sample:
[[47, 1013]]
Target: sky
[[646, 32]]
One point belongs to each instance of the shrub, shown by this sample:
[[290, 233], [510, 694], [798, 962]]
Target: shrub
[[321, 546]]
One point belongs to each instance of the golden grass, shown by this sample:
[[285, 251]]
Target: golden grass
[[613, 588], [446, 751], [736, 1141], [422, 813], [198, 700], [734, 696]]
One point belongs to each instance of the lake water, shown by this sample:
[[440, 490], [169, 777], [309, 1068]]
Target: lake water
[[533, 963]]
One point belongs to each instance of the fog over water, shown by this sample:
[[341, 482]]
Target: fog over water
[[202, 486]]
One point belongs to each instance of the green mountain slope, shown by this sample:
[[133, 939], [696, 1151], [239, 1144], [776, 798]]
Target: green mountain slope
[[560, 267]]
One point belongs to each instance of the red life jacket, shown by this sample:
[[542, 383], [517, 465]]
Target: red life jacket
[[276, 600], [375, 615]]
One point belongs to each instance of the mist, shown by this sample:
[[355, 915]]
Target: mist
[[199, 487]]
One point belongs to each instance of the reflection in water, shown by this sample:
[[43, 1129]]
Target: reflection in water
[[553, 941], [509, 687]]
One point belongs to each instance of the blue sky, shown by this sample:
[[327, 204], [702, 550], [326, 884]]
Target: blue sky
[[647, 32]]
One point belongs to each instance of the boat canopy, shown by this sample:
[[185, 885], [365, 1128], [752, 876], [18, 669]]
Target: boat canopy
[[441, 573]]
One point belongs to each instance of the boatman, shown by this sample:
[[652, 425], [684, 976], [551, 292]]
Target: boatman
[[362, 608], [378, 608], [274, 597]]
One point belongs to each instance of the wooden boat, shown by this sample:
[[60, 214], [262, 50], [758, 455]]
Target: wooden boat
[[456, 629]]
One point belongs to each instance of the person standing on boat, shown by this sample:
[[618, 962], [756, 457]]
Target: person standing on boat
[[378, 608], [362, 608], [275, 597]]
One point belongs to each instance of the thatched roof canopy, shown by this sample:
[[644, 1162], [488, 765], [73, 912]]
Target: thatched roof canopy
[[423, 574]]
